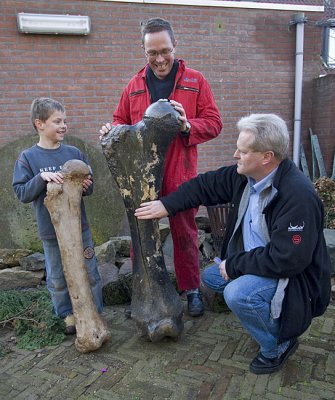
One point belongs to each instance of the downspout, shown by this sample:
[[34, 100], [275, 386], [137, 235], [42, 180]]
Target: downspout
[[298, 20]]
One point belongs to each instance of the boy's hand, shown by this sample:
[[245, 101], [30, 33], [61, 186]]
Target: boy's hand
[[87, 183], [104, 130], [56, 177], [151, 210]]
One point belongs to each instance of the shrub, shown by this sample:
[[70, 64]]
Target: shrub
[[325, 188], [30, 314]]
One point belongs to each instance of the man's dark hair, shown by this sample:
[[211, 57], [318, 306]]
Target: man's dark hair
[[154, 25]]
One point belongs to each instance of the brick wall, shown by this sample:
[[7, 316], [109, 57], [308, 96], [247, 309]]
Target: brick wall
[[248, 56], [324, 117]]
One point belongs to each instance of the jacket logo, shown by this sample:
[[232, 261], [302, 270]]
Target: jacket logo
[[296, 239], [88, 252], [296, 228], [50, 169], [186, 79]]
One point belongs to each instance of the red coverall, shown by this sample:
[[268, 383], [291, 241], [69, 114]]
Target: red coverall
[[193, 91]]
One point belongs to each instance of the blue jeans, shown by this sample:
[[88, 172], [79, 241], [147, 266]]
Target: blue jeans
[[249, 297], [56, 283]]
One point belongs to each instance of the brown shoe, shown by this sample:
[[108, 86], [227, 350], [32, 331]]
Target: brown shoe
[[70, 325]]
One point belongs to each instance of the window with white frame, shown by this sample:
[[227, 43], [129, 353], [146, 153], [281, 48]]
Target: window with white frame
[[328, 50]]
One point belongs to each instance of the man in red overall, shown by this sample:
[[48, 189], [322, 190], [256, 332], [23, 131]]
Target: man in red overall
[[165, 77]]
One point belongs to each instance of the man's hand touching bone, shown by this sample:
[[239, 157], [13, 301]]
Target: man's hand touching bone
[[151, 210]]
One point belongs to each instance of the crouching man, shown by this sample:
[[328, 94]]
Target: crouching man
[[275, 268]]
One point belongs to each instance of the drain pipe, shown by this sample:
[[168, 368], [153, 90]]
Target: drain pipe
[[298, 20]]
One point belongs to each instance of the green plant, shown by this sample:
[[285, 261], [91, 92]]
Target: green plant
[[4, 349], [325, 188], [30, 314]]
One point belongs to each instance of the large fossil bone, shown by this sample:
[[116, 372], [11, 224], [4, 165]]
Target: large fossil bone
[[64, 205], [135, 156]]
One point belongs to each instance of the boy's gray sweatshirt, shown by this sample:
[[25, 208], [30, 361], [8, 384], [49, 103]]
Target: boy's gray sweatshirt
[[30, 187]]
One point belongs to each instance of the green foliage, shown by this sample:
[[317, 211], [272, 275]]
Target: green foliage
[[117, 294], [30, 314], [325, 188], [4, 349]]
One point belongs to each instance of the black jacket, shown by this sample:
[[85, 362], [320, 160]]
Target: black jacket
[[297, 248]]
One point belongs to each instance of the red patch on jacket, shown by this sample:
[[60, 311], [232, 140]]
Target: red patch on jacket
[[296, 239]]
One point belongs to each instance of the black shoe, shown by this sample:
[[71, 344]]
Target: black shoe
[[263, 365], [195, 305]]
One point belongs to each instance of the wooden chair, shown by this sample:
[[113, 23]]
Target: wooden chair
[[218, 215]]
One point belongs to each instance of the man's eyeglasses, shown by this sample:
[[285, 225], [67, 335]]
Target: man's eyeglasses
[[155, 54]]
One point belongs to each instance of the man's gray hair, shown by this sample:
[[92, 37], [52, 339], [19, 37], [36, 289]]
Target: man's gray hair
[[154, 25], [271, 133]]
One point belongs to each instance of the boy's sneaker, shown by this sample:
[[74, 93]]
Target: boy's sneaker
[[70, 325]]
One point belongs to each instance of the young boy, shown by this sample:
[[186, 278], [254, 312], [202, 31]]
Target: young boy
[[34, 168]]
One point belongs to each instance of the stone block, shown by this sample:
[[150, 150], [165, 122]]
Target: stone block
[[329, 235], [33, 262], [15, 278], [11, 257], [104, 207], [105, 253], [122, 245], [114, 290]]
